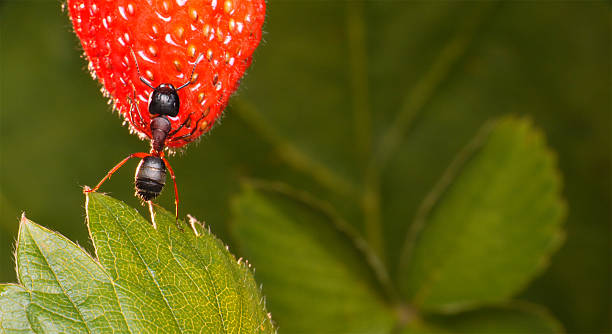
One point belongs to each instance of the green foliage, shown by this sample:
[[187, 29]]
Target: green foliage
[[144, 279], [329, 82], [511, 318], [484, 232], [489, 225], [317, 281], [508, 319]]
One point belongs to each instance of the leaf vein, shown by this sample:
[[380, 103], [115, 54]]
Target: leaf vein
[[58, 282], [166, 302], [216, 291]]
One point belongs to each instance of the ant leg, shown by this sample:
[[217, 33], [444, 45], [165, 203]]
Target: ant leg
[[152, 212], [176, 196], [179, 128], [131, 109], [121, 163], [135, 102], [190, 134], [180, 138]]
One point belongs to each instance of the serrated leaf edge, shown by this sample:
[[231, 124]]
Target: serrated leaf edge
[[194, 223], [374, 264], [446, 180], [24, 221]]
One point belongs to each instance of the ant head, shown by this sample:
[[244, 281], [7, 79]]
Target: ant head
[[164, 101]]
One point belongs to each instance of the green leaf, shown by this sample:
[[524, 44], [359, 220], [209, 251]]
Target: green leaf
[[145, 279], [491, 223], [314, 277], [419, 327], [68, 290], [515, 318]]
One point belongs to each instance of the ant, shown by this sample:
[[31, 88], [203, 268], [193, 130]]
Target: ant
[[150, 175]]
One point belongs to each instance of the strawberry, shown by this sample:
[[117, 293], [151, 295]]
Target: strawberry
[[206, 44], [169, 67]]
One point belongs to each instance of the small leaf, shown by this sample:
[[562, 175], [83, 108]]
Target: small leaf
[[492, 229], [513, 318], [420, 327], [69, 291], [510, 319], [146, 279], [315, 279]]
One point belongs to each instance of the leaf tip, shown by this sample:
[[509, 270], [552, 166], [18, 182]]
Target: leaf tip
[[24, 223]]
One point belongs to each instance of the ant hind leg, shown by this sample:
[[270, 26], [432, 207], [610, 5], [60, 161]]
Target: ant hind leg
[[176, 196]]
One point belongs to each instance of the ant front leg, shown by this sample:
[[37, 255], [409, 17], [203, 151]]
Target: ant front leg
[[140, 155], [197, 125], [176, 196], [134, 105], [179, 128]]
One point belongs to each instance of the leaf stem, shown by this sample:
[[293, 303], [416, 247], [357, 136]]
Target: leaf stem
[[426, 88], [378, 267], [292, 155], [440, 187], [370, 203], [356, 28], [412, 106]]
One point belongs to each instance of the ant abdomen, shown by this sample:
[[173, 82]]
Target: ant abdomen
[[150, 178]]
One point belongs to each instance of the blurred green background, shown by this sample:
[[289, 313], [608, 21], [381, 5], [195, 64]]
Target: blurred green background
[[326, 82]]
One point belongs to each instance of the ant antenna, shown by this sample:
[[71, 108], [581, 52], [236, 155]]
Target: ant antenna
[[145, 81], [192, 71]]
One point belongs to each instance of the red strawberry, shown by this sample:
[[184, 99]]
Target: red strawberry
[[167, 38], [169, 67]]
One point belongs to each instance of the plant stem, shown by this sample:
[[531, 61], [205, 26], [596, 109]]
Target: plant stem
[[376, 265], [438, 190], [356, 28], [292, 155], [412, 106]]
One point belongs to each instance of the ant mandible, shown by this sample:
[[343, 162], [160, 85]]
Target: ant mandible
[[150, 175]]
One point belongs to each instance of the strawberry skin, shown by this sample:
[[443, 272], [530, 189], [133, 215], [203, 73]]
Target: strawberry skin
[[167, 38]]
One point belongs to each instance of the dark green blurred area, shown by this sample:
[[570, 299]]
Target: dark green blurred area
[[549, 60]]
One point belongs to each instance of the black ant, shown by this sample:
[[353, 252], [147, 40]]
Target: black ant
[[150, 175]]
